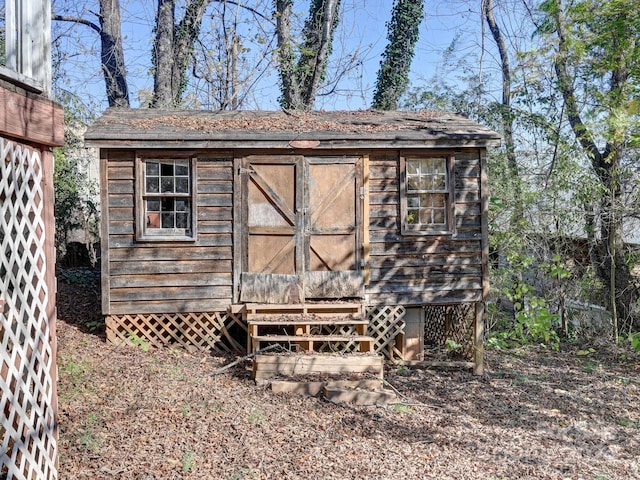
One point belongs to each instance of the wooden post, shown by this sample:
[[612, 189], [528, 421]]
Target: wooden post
[[478, 339], [366, 220], [47, 165]]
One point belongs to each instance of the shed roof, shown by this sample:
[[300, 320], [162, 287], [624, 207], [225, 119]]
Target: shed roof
[[155, 128]]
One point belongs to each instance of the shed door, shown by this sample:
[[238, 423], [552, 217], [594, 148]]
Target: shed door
[[302, 236]]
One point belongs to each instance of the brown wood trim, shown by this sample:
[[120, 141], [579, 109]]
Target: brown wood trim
[[484, 222], [238, 245], [48, 216], [36, 120], [104, 228], [478, 339], [365, 219]]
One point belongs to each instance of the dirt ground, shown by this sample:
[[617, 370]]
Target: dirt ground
[[127, 413]]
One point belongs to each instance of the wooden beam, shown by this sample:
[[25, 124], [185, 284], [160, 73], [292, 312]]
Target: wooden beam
[[365, 219], [478, 339], [35, 120]]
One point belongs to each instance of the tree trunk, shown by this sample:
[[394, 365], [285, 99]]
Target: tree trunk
[[301, 78], [403, 33], [172, 50], [112, 54], [163, 55], [289, 86], [507, 115], [610, 266]]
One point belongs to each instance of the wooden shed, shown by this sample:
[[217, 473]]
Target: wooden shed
[[328, 228]]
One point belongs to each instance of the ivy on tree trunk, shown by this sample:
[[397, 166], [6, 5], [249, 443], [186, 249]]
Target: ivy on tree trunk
[[303, 66], [403, 33], [172, 50]]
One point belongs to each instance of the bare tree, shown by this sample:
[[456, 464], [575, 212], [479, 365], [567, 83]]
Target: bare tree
[[112, 54], [172, 50], [302, 67]]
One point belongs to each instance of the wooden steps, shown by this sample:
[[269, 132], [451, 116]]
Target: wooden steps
[[356, 392], [307, 325], [266, 367], [315, 388]]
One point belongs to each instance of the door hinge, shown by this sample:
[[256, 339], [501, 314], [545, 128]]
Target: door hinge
[[245, 171]]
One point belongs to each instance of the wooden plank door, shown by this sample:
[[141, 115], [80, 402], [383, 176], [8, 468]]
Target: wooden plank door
[[333, 232], [272, 234], [301, 236]]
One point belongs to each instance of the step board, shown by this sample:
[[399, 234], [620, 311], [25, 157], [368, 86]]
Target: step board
[[359, 397], [304, 308], [304, 319], [297, 322], [307, 341], [271, 366], [315, 388]]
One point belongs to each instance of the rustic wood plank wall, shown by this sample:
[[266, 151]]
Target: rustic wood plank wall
[[158, 277], [422, 269]]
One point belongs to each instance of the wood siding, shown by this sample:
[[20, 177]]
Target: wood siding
[[167, 276], [423, 269], [194, 276]]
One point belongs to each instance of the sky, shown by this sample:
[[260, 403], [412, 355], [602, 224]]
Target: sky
[[362, 29]]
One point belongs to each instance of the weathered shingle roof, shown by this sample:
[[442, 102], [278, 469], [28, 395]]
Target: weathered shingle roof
[[197, 128]]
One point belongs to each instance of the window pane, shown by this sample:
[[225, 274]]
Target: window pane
[[167, 185], [439, 182], [426, 166], [182, 205], [412, 217], [153, 185], [438, 216], [182, 220], [153, 220], [425, 216], [440, 165], [413, 183], [153, 205], [167, 169], [413, 166], [168, 204], [413, 201], [153, 168], [168, 220], [182, 184], [438, 200], [182, 167]]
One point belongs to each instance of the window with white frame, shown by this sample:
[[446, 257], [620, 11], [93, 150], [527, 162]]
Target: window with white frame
[[426, 194], [166, 200]]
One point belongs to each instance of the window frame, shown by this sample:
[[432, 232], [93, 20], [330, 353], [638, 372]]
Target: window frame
[[143, 233], [448, 191]]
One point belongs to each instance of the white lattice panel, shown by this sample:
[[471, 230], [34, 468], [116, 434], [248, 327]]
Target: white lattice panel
[[209, 331], [29, 446], [386, 324]]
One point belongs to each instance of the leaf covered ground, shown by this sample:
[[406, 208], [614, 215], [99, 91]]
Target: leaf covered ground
[[127, 413]]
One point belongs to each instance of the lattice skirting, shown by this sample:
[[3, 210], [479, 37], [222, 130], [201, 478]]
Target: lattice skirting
[[453, 323], [219, 332], [386, 326], [222, 332], [28, 441]]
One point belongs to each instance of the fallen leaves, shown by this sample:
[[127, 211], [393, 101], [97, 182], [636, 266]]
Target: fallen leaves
[[130, 414]]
